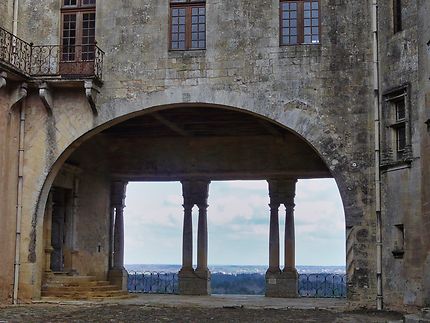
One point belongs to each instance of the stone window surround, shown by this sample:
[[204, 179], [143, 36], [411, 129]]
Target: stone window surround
[[392, 157]]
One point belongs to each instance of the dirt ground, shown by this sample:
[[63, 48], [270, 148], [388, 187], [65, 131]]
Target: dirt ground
[[158, 313]]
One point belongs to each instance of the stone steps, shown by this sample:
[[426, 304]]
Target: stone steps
[[84, 294], [78, 284], [60, 286], [95, 288]]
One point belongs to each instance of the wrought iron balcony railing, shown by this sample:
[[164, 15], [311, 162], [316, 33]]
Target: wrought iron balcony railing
[[72, 61], [69, 62], [15, 52]]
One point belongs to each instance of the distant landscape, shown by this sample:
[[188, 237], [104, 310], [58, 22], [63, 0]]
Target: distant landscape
[[314, 281], [235, 269]]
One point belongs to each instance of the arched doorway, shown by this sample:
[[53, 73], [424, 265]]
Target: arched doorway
[[83, 227]]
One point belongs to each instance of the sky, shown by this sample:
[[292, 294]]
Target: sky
[[238, 223]]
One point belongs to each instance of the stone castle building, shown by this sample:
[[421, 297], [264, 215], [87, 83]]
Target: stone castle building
[[198, 91]]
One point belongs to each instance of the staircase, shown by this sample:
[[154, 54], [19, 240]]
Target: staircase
[[67, 287]]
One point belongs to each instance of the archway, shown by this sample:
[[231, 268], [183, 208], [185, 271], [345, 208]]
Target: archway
[[191, 144]]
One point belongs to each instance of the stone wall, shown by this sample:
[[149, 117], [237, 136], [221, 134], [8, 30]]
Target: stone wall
[[403, 58], [321, 92], [92, 225], [9, 128], [424, 112], [6, 14]]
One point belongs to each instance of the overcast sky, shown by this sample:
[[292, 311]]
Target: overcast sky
[[238, 223]]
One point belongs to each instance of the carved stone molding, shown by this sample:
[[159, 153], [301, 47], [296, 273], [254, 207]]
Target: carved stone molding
[[46, 97], [3, 76], [19, 94], [91, 92]]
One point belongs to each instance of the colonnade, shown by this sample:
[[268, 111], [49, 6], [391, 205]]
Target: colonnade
[[279, 283]]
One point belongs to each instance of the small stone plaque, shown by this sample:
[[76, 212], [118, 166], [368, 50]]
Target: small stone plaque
[[272, 281]]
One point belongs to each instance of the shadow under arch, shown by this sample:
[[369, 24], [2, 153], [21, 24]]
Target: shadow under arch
[[310, 134]]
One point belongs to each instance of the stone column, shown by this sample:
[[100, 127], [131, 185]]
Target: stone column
[[289, 275], [118, 256], [74, 215], [290, 243], [202, 240], [195, 282], [48, 229], [187, 239], [285, 283], [118, 275], [274, 239]]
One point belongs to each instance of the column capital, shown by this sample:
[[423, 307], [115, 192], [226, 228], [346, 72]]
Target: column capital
[[274, 206], [202, 206], [118, 193], [195, 192], [188, 206], [282, 191], [289, 206]]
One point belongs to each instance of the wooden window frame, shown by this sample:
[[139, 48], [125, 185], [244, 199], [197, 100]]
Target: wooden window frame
[[300, 22], [188, 5], [83, 53], [79, 10], [393, 123]]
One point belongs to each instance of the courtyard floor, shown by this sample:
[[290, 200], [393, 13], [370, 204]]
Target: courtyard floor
[[171, 308]]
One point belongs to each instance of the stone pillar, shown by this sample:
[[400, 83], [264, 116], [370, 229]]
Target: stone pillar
[[187, 239], [290, 241], [47, 233], [202, 239], [285, 283], [274, 267], [195, 282], [289, 275], [118, 256], [118, 275], [75, 207]]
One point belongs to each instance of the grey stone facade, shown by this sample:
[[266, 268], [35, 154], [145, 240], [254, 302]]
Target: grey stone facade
[[322, 93]]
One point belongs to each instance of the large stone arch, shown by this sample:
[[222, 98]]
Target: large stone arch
[[302, 118]]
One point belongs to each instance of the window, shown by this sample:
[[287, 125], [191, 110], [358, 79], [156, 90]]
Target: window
[[400, 125], [187, 24], [396, 135], [78, 34], [397, 16], [300, 22]]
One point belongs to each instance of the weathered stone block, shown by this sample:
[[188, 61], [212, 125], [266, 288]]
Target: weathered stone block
[[119, 277], [194, 282], [283, 284]]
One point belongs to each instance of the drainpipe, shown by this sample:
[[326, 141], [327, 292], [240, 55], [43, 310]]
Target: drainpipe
[[15, 17], [17, 263], [377, 108]]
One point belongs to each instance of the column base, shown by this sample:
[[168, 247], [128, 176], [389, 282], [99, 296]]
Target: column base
[[194, 282], [119, 278], [283, 284]]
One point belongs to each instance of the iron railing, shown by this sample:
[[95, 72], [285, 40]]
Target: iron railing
[[152, 282], [68, 61], [310, 285], [15, 52], [72, 61], [322, 285]]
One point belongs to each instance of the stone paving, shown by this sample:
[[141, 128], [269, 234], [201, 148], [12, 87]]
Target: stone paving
[[169, 308]]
